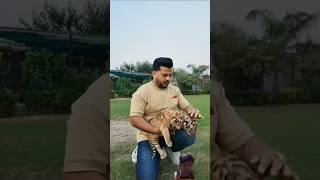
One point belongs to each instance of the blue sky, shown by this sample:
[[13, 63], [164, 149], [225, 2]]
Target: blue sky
[[144, 30]]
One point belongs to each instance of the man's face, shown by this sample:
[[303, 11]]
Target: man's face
[[162, 77]]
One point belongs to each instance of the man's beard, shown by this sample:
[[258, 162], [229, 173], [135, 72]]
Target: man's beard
[[163, 85]]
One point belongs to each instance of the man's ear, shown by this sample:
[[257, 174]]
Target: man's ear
[[155, 74]]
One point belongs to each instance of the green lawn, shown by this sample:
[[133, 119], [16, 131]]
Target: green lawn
[[119, 108], [123, 168], [32, 150], [291, 129], [35, 150]]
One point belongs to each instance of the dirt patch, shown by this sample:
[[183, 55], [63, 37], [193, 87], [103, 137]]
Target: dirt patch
[[121, 131]]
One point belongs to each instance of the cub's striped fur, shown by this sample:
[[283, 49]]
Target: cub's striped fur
[[169, 122]]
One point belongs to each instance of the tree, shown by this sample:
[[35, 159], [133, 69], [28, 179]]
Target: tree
[[183, 79], [230, 47], [278, 35], [141, 67], [144, 67], [196, 73], [128, 67], [51, 18]]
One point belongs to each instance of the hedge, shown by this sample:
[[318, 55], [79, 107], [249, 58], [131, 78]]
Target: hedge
[[8, 101]]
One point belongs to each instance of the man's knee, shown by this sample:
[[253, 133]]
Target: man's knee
[[190, 140], [182, 140], [186, 138]]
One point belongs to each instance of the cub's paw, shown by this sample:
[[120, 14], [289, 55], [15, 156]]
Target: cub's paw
[[163, 155], [169, 144]]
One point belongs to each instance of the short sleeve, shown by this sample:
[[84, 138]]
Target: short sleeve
[[138, 104], [182, 101], [87, 131], [232, 131]]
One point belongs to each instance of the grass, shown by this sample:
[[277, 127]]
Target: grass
[[123, 168], [32, 150], [291, 129], [35, 150], [120, 108]]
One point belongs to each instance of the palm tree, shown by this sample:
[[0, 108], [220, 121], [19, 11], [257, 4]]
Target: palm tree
[[279, 34], [197, 72]]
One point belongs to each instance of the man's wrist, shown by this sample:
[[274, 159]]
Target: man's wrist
[[156, 131]]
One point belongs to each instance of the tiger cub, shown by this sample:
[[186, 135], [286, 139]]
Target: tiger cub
[[170, 122]]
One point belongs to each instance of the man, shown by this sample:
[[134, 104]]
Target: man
[[156, 96], [87, 141], [232, 134]]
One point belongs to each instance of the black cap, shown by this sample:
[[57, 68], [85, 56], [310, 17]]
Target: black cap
[[162, 61]]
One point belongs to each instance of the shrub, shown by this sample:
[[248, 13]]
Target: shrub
[[43, 74], [125, 87], [289, 96], [249, 97], [8, 102], [50, 85]]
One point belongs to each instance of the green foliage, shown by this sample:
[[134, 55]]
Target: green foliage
[[183, 79], [289, 96], [249, 97], [241, 61], [141, 67], [124, 87], [49, 84], [258, 97], [310, 77], [186, 80], [92, 19], [8, 101], [5, 68], [233, 60], [43, 74]]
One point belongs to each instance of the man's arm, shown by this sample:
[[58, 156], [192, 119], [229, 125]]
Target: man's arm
[[86, 150], [137, 110], [140, 123]]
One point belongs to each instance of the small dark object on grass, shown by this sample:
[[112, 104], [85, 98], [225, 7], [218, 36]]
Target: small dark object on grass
[[185, 168]]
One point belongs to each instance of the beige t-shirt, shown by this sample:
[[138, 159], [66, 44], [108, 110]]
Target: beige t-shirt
[[149, 99], [87, 141], [229, 130]]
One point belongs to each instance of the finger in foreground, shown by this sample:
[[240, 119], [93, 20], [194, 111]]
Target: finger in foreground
[[276, 167], [287, 172], [254, 159], [265, 163]]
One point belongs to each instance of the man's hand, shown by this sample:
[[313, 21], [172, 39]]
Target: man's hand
[[140, 123], [193, 113], [270, 163], [265, 161]]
